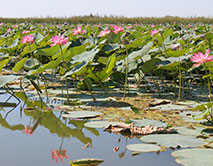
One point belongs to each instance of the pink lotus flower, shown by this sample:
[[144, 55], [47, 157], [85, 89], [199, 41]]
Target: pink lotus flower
[[27, 39], [78, 31], [58, 40], [153, 26], [24, 32], [1, 23], [8, 30], [176, 46], [15, 26], [27, 130], [200, 58], [154, 32], [129, 27], [117, 28], [104, 33], [59, 154]]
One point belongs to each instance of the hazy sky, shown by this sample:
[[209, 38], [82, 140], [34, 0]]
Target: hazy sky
[[129, 8]]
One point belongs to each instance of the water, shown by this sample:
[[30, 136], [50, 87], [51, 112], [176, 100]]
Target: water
[[53, 133]]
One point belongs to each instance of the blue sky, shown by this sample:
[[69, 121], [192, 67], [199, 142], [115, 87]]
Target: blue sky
[[128, 8]]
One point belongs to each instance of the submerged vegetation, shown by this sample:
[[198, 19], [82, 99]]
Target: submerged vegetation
[[118, 71]]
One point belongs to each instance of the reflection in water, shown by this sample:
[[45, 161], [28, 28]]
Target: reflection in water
[[59, 154], [49, 127], [27, 130]]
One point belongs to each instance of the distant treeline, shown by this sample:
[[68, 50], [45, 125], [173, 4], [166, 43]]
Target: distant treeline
[[108, 20]]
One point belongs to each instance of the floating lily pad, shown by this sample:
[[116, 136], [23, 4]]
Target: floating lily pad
[[86, 162], [147, 122], [194, 157], [188, 116], [81, 114], [173, 140], [101, 124], [143, 147], [186, 131], [168, 107], [111, 116]]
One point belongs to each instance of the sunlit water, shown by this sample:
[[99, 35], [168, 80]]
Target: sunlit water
[[52, 133]]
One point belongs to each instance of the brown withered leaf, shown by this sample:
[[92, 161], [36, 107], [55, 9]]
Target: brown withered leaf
[[158, 102], [131, 129]]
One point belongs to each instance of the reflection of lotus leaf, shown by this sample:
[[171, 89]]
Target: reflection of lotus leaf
[[81, 114], [194, 157], [143, 147], [173, 140]]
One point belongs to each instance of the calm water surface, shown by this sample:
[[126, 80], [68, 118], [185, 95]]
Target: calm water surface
[[53, 133]]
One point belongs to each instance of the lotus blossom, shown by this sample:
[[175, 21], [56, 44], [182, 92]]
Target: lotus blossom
[[8, 30], [176, 46], [154, 32], [117, 28], [15, 26], [58, 40], [27, 130], [59, 154], [24, 32], [153, 26], [129, 27], [27, 39], [1, 23], [78, 31], [200, 58], [104, 33]]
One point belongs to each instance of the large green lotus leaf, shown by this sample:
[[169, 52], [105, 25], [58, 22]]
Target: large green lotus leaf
[[74, 51], [4, 63], [104, 74], [81, 114], [6, 79], [194, 157], [167, 107], [140, 53], [186, 131], [28, 49], [143, 147], [86, 56], [86, 162], [47, 51], [178, 53], [146, 122], [101, 124], [51, 65], [209, 36], [20, 64], [61, 51], [173, 140]]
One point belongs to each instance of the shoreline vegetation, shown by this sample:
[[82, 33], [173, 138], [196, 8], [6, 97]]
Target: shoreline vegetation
[[96, 19]]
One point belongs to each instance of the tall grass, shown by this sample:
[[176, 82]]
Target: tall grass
[[108, 19]]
